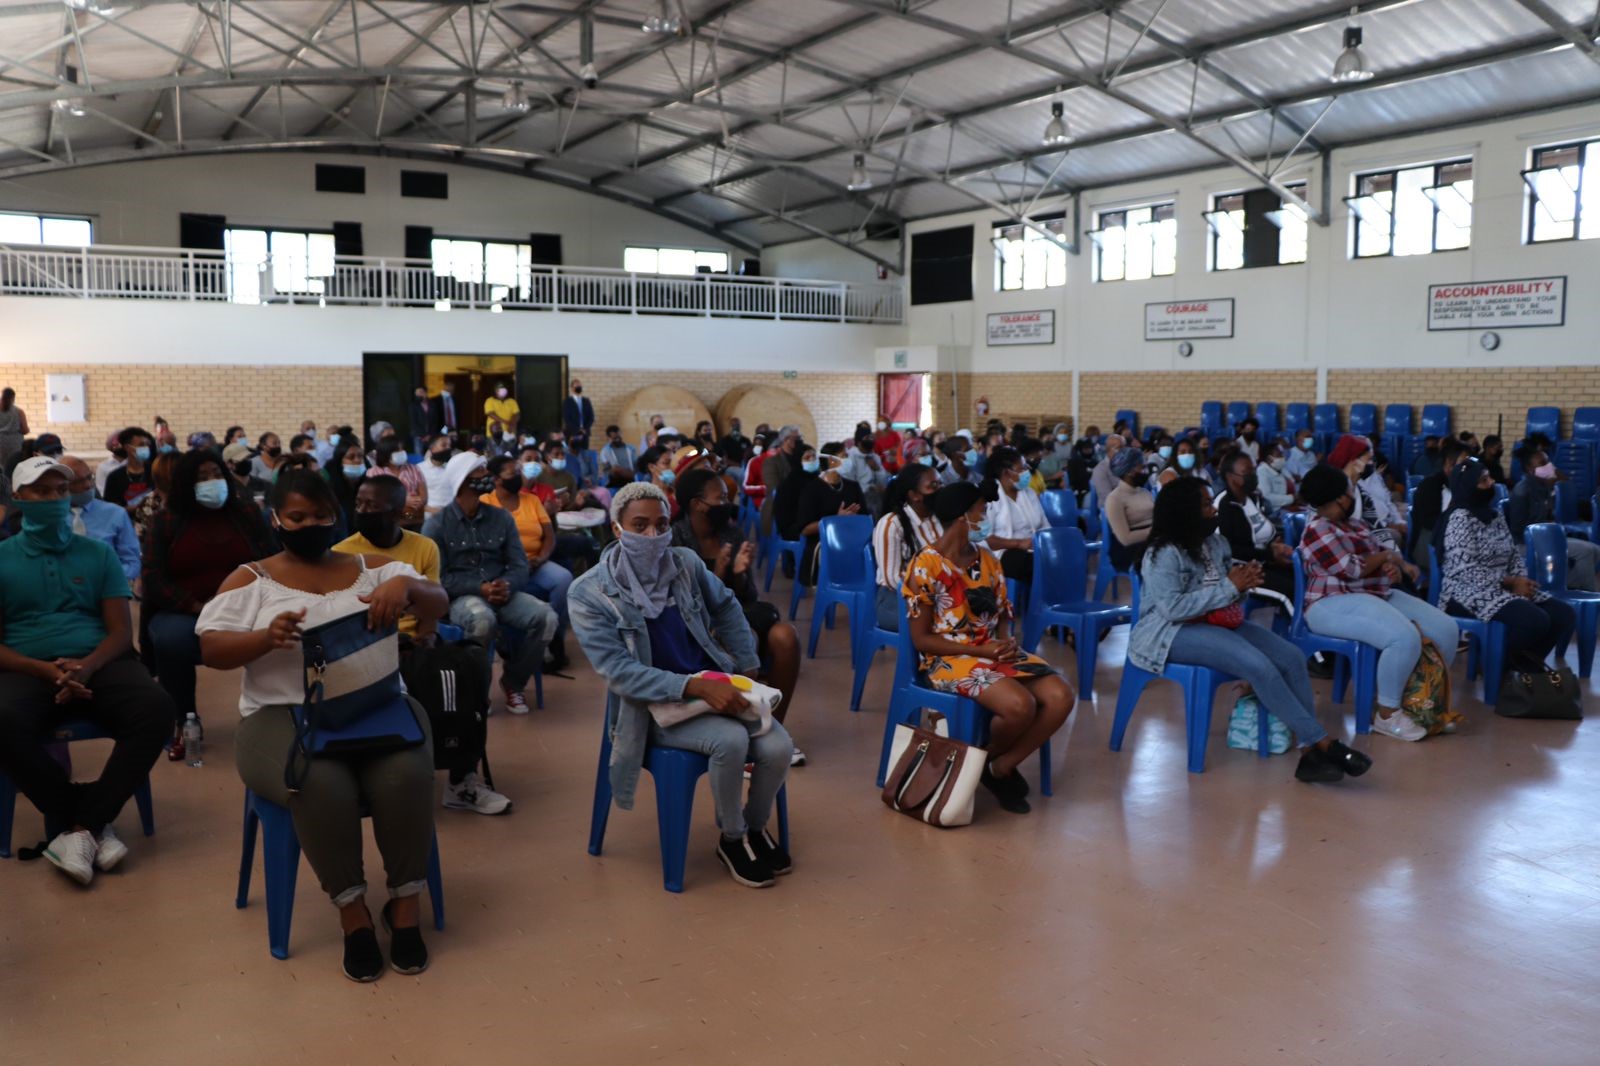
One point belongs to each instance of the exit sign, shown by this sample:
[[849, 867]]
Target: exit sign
[[790, 375]]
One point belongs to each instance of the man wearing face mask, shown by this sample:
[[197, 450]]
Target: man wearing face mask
[[131, 482], [1534, 500], [1302, 457], [438, 451], [617, 459], [484, 569], [66, 652], [577, 421], [503, 414], [775, 470], [1129, 508], [101, 521]]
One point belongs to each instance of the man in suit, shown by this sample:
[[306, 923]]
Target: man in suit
[[577, 419], [423, 418]]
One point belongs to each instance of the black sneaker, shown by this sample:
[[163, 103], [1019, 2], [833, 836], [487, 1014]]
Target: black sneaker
[[1354, 763], [747, 867], [1320, 667], [407, 953], [771, 852], [1008, 791], [363, 961]]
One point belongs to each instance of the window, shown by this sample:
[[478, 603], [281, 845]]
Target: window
[[1413, 211], [503, 265], [1564, 193], [1136, 243], [1257, 228], [672, 260], [299, 262], [1024, 258], [45, 229]]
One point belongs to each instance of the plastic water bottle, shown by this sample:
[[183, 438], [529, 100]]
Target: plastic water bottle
[[191, 740]]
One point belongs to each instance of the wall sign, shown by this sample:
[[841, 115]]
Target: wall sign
[[1022, 327], [1188, 320], [900, 359], [64, 398], [1519, 303]]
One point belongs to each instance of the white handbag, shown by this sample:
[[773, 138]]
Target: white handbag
[[931, 777]]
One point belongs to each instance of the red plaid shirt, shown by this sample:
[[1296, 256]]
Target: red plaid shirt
[[1333, 554]]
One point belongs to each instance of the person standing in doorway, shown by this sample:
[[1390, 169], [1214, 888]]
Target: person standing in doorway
[[423, 418], [13, 426], [503, 414], [577, 420]]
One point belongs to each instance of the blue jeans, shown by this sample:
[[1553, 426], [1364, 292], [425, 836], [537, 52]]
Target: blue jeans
[[550, 581], [478, 620], [1387, 624], [1265, 661], [176, 649], [729, 743], [888, 608]]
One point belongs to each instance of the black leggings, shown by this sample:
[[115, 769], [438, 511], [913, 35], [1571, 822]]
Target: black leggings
[[1017, 564], [1533, 630]]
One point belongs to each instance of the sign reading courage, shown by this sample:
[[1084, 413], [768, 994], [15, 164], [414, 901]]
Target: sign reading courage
[[1515, 304], [1188, 320]]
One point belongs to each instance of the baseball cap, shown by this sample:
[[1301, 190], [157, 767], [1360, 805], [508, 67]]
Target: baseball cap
[[235, 452], [48, 444], [30, 470]]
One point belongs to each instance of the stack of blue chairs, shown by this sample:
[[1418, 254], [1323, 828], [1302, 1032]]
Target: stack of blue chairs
[[1364, 420], [1325, 425], [1396, 431], [1567, 512], [1132, 418], [1436, 420], [1586, 425], [1576, 458], [1211, 423], [1238, 411], [1545, 420], [1267, 414], [1297, 419]]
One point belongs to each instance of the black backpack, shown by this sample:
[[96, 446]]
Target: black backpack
[[451, 681]]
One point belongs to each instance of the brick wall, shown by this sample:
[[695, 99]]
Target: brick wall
[[1172, 399], [837, 401], [1017, 398], [1491, 400]]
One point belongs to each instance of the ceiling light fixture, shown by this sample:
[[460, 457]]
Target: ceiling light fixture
[[860, 180], [515, 99], [1055, 131], [1351, 66], [663, 21], [74, 108]]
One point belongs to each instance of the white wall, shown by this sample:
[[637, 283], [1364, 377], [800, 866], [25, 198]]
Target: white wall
[[827, 261], [1332, 311]]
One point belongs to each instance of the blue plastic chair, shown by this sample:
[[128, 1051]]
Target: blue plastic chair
[[1486, 641], [776, 546], [1502, 495], [1546, 420], [1547, 563], [1436, 420], [675, 773], [1237, 412], [1199, 684], [1354, 656], [1130, 417], [1211, 417], [841, 577], [60, 737], [1294, 527], [1267, 414], [1586, 424], [1092, 527], [1296, 418], [1364, 419], [749, 517], [1059, 578], [1397, 420], [1106, 572], [1566, 502], [1060, 508], [280, 866], [868, 639], [968, 721], [1325, 425]]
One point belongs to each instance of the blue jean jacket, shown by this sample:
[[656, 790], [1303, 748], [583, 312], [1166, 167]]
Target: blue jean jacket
[[612, 631], [1175, 591]]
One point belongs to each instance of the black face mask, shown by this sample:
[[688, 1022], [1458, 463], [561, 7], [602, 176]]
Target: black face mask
[[275, 451], [307, 542], [1208, 526], [380, 528], [1481, 497], [512, 484], [1249, 483], [1248, 434], [481, 485], [1366, 472], [720, 515], [577, 390], [439, 457], [1139, 480]]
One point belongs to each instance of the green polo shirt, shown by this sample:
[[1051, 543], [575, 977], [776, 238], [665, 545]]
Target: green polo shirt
[[50, 601]]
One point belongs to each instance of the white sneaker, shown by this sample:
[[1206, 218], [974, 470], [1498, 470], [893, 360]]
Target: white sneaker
[[73, 854], [110, 850], [1398, 725], [797, 758], [473, 795]]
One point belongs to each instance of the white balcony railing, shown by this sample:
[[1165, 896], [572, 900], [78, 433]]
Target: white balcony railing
[[112, 272]]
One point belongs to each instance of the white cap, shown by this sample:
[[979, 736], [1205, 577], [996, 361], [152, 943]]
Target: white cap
[[459, 469], [967, 433], [30, 470], [669, 431]]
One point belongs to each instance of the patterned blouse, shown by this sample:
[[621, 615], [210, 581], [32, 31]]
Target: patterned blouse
[[967, 607], [1477, 557]]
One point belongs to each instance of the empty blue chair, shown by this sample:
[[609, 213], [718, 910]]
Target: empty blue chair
[[63, 735], [1106, 572], [280, 866], [776, 546], [1211, 422], [749, 517], [1325, 425], [1269, 416], [1060, 508], [1436, 420], [675, 773], [967, 720], [1364, 419], [1354, 656], [1547, 563], [1566, 500], [868, 639], [1486, 641], [1132, 418], [1297, 418], [1199, 684], [841, 576], [1546, 420], [1586, 424], [1059, 578], [1238, 411]]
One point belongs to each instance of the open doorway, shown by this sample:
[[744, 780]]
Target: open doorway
[[390, 379], [906, 400]]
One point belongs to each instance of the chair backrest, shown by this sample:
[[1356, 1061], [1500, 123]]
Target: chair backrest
[[1134, 597], [1586, 423], [1060, 567], [1363, 419], [1091, 514], [1546, 547], [1436, 420], [1238, 411], [1297, 627], [1397, 419], [1546, 420], [1501, 495], [1297, 417], [1211, 416], [1566, 501], [1325, 418], [1060, 508], [1268, 415], [1412, 481], [1131, 417], [1294, 527], [842, 537], [1435, 576]]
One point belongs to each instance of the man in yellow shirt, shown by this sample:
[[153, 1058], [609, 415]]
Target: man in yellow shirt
[[379, 503], [503, 414]]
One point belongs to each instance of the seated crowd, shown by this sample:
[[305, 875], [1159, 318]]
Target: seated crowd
[[235, 548]]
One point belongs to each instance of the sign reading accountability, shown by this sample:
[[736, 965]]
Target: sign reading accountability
[[1516, 304], [1188, 320], [1022, 327]]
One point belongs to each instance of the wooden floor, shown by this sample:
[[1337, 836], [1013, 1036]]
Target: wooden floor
[[1443, 909]]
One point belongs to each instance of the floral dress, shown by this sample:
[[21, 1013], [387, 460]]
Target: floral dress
[[967, 607]]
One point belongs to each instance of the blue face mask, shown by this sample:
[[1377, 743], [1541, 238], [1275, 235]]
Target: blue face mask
[[532, 470], [1307, 443], [1186, 461], [211, 494], [142, 453], [167, 449], [80, 500], [46, 524], [981, 532], [925, 460], [1165, 451], [668, 477], [1061, 438], [558, 464], [811, 466], [333, 439], [354, 472]]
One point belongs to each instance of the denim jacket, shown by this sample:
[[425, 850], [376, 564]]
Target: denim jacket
[[612, 631], [472, 551], [1174, 592]]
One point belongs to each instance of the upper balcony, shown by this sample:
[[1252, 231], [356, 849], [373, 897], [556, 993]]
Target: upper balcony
[[114, 272]]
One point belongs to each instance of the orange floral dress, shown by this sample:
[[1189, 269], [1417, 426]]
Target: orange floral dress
[[968, 606]]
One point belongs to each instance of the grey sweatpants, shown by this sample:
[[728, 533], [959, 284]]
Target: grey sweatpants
[[396, 787]]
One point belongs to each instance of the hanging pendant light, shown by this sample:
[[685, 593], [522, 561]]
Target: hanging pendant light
[[1351, 66], [859, 178], [1055, 131], [515, 99], [662, 21], [73, 107]]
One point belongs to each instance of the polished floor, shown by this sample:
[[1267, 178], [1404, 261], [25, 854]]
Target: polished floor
[[1443, 909]]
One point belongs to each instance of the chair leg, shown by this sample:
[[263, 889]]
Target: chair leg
[[1127, 698], [1341, 676], [538, 688], [8, 813], [783, 817], [247, 857], [1197, 698], [1263, 733], [280, 861], [1494, 664], [816, 625], [1044, 770], [772, 564], [1588, 622], [674, 813], [897, 714], [1032, 630], [602, 802], [1088, 638], [1366, 671], [436, 884]]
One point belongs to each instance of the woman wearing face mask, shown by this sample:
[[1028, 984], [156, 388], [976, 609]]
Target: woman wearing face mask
[[1486, 572], [905, 527], [1014, 516], [1354, 455], [206, 531], [960, 620], [1129, 507], [651, 618], [1182, 463], [547, 580], [269, 456], [1191, 585], [255, 622], [819, 491], [131, 482], [344, 477], [438, 451], [502, 414], [390, 458], [1276, 492], [656, 464], [1350, 594]]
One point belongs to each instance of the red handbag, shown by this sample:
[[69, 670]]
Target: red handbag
[[1229, 617]]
